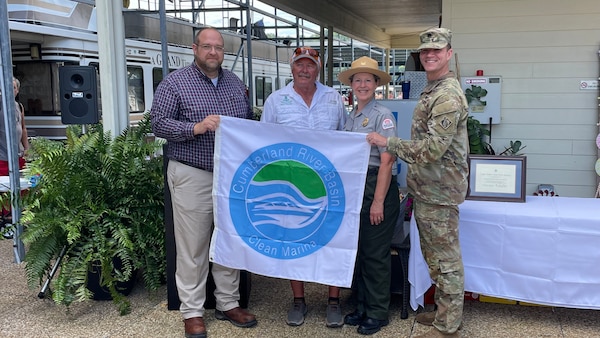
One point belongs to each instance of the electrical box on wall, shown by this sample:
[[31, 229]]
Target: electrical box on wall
[[403, 111], [483, 94]]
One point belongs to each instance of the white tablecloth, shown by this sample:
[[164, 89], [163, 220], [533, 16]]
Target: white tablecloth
[[544, 251], [5, 183]]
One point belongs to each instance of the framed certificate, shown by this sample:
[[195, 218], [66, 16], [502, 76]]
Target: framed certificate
[[497, 178]]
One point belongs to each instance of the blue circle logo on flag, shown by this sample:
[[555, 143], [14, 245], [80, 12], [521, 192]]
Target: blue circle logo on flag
[[286, 200]]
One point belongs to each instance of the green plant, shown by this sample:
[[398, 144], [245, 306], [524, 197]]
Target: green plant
[[477, 134], [102, 200], [474, 94], [514, 149], [257, 113]]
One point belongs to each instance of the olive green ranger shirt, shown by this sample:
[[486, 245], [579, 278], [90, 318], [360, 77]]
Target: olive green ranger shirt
[[437, 152]]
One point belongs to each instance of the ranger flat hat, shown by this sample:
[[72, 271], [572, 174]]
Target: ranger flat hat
[[364, 64], [435, 38]]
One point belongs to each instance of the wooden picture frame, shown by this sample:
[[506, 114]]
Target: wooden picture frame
[[497, 178]]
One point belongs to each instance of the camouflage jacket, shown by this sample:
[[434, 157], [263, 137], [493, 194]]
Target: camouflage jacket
[[437, 152]]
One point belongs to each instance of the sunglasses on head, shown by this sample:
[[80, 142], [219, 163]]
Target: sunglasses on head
[[304, 50]]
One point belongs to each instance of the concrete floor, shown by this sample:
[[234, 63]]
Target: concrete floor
[[23, 314]]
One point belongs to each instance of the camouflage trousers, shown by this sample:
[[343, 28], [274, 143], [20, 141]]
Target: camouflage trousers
[[438, 232]]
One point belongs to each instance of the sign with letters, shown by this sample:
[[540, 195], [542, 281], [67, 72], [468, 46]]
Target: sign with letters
[[287, 200]]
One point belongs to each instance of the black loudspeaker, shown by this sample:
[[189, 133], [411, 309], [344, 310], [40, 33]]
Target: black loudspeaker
[[78, 94]]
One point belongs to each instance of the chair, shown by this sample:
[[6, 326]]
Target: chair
[[403, 250], [401, 246]]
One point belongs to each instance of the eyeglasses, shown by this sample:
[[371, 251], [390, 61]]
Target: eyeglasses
[[208, 48], [305, 50]]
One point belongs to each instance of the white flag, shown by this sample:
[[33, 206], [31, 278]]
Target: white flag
[[287, 200]]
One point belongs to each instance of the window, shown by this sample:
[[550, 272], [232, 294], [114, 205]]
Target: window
[[135, 89], [264, 88], [39, 91], [157, 76]]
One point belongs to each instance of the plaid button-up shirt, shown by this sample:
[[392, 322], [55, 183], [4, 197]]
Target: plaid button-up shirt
[[186, 97]]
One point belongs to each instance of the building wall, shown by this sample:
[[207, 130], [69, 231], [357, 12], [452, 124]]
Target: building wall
[[542, 49]]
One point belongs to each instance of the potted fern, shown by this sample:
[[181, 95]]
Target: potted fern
[[99, 202]]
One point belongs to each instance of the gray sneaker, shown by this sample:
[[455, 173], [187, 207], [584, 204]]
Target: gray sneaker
[[295, 315], [334, 315]]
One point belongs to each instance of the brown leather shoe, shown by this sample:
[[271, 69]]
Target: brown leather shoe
[[194, 327], [237, 316], [434, 333], [426, 318]]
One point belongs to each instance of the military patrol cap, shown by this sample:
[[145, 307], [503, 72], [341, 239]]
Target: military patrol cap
[[435, 38]]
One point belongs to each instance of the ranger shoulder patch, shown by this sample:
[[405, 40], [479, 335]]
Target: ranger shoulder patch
[[387, 124]]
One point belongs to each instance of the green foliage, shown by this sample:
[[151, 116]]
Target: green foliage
[[477, 134], [514, 149], [257, 113], [101, 199], [475, 93], [478, 145]]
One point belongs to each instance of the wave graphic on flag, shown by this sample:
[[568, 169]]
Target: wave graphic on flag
[[283, 209], [294, 205]]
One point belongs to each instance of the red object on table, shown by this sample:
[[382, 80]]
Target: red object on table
[[429, 296]]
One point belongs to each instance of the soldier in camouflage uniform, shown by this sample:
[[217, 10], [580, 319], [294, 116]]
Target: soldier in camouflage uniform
[[437, 178]]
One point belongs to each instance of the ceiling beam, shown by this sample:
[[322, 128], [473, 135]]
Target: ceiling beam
[[326, 13], [405, 41]]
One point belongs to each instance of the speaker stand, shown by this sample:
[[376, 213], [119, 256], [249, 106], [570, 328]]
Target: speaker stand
[[44, 289]]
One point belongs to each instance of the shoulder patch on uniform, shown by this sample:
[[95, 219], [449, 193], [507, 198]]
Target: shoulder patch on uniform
[[445, 123], [387, 124]]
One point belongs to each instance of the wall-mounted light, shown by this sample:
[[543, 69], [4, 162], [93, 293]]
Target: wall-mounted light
[[35, 50]]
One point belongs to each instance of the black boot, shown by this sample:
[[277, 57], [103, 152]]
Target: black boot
[[371, 325], [354, 318]]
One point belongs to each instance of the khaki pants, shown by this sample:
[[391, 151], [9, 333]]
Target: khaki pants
[[191, 194]]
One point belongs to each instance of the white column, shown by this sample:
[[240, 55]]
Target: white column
[[113, 67]]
